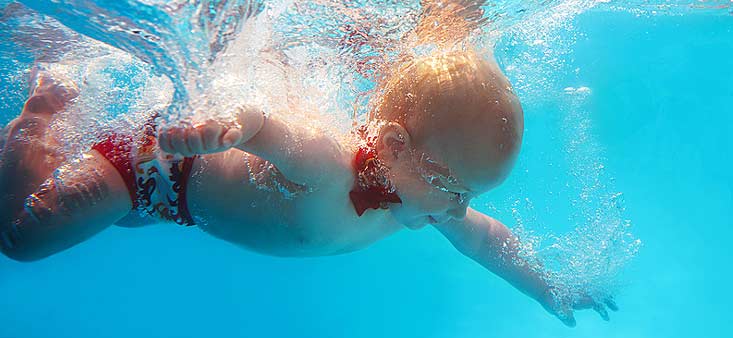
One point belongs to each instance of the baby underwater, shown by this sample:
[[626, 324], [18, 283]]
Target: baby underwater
[[444, 129]]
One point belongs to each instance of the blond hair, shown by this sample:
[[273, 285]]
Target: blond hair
[[409, 90]]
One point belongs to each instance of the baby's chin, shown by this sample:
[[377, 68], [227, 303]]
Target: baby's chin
[[416, 224], [408, 222], [411, 221], [420, 222]]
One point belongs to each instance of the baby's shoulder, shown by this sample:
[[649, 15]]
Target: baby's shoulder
[[330, 159]]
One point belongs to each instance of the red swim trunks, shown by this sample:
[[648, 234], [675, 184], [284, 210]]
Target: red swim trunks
[[155, 180]]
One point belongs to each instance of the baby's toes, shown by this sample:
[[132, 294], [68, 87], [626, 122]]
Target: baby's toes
[[56, 88]]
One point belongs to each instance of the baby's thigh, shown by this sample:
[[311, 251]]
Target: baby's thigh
[[78, 200]]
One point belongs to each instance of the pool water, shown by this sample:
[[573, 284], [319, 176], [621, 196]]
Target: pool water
[[656, 104]]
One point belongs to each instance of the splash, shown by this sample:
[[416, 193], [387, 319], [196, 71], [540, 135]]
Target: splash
[[121, 92], [588, 255], [180, 39], [589, 259]]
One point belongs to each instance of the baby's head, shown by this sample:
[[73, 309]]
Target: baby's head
[[452, 128]]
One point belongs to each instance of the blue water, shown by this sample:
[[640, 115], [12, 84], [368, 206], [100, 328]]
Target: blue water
[[659, 116]]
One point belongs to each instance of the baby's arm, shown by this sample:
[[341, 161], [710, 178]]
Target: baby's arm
[[302, 154], [492, 244]]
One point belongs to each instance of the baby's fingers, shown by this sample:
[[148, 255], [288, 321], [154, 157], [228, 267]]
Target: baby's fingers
[[585, 302], [194, 141], [164, 141], [611, 304], [232, 137], [601, 311], [186, 141], [169, 140], [210, 135], [178, 141], [566, 317]]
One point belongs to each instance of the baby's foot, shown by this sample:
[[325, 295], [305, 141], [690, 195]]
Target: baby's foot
[[49, 94], [30, 154], [212, 136]]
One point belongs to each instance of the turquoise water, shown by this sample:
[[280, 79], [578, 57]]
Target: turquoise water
[[656, 113]]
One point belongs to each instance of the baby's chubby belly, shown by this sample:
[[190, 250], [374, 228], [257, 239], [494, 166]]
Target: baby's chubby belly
[[238, 198]]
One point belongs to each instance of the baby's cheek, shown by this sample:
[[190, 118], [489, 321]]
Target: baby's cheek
[[420, 198], [431, 201]]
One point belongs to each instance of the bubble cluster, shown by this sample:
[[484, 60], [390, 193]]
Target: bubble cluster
[[587, 256], [673, 8]]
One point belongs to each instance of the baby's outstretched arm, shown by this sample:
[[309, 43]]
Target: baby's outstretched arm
[[303, 154], [491, 244]]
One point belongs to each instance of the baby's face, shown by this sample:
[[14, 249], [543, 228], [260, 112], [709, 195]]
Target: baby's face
[[430, 190], [437, 179]]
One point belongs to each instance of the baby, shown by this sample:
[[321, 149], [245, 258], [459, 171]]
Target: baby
[[444, 129]]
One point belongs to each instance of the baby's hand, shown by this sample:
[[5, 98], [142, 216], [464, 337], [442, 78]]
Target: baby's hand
[[211, 136], [563, 309]]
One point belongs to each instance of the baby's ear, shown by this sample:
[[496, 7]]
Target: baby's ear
[[393, 140]]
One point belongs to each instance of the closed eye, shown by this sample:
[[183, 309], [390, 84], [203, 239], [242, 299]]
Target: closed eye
[[460, 197], [437, 183]]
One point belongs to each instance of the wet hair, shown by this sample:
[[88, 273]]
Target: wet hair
[[408, 95], [460, 110]]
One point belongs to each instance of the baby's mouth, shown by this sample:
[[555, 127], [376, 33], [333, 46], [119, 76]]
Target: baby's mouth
[[437, 219]]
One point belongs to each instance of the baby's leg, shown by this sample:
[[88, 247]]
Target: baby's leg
[[30, 153], [46, 205], [80, 199], [4, 137]]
